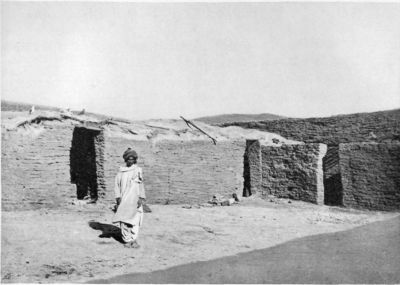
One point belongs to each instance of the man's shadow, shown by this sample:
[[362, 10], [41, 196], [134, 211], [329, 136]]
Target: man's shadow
[[108, 231]]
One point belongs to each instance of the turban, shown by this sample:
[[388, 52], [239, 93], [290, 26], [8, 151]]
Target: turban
[[128, 153]]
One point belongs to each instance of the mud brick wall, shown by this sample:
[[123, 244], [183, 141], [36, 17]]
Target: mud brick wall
[[370, 175], [293, 171], [35, 167], [332, 178], [180, 172], [385, 127]]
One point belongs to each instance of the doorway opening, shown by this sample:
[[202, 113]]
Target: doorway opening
[[333, 189], [86, 162]]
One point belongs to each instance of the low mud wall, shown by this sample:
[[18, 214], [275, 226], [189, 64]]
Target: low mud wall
[[370, 175], [355, 175], [287, 171], [35, 169], [37, 164], [180, 171], [377, 126], [293, 171]]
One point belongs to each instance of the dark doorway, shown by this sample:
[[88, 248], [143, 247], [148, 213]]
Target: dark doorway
[[333, 189], [246, 175], [252, 172], [83, 162]]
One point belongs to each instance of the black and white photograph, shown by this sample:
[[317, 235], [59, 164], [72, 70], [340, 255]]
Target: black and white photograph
[[200, 142]]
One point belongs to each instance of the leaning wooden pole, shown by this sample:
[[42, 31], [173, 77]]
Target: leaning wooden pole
[[189, 123]]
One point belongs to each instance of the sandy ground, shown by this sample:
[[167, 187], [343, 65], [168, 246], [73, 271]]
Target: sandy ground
[[79, 244], [368, 254]]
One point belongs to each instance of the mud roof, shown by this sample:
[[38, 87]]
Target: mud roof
[[149, 130]]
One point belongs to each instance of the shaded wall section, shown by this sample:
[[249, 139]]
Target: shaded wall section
[[370, 175], [180, 171]]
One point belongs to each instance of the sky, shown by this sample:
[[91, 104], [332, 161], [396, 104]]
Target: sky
[[164, 60]]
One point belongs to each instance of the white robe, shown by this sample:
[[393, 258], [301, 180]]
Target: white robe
[[129, 187]]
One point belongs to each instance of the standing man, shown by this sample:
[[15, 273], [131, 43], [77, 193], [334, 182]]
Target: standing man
[[130, 195]]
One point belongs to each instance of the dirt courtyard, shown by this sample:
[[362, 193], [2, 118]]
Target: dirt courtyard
[[78, 243]]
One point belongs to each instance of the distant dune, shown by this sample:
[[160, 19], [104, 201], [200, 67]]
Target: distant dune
[[20, 107], [231, 118]]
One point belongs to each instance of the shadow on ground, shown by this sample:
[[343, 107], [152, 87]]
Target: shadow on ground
[[367, 254], [108, 231]]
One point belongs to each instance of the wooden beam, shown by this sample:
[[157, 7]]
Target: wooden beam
[[189, 123]]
